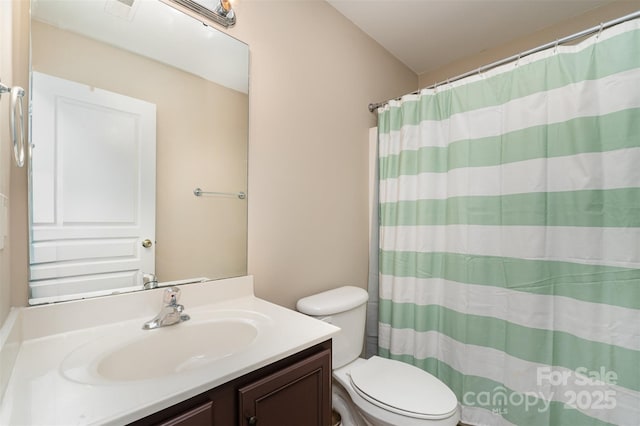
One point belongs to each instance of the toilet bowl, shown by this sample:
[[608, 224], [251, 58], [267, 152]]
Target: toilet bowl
[[344, 406], [385, 396], [376, 391]]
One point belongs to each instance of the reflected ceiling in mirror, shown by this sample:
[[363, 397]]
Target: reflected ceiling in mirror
[[152, 29], [193, 81]]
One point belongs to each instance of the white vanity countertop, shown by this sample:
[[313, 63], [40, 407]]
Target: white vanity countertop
[[39, 393]]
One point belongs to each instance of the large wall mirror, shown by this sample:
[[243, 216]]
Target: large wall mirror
[[134, 105]]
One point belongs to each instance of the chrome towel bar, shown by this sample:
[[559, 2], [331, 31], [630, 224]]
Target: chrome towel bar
[[199, 193]]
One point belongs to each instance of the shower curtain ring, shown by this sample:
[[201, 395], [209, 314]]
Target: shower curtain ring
[[600, 30]]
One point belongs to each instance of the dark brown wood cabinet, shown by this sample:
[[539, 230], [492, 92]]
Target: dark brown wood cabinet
[[292, 395], [197, 416], [295, 391]]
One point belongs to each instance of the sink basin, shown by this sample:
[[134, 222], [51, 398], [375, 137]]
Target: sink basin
[[176, 348], [130, 354]]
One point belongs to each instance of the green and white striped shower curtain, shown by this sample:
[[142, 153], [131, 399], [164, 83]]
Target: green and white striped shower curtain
[[510, 235]]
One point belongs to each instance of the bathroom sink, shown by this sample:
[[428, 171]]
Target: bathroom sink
[[127, 354], [176, 348]]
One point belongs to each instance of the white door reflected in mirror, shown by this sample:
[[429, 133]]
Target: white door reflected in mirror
[[93, 189]]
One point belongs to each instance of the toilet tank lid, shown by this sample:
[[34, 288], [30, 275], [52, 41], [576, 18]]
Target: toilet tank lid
[[331, 302]]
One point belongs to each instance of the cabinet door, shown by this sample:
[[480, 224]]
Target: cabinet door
[[298, 395], [201, 415]]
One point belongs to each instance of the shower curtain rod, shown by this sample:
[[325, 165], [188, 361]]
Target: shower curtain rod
[[584, 33]]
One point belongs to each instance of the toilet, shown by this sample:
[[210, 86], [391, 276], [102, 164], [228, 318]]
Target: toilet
[[376, 391]]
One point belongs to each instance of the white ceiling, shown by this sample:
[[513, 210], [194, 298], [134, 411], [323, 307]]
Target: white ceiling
[[428, 34]]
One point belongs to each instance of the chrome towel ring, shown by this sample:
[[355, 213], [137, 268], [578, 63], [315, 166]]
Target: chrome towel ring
[[16, 110]]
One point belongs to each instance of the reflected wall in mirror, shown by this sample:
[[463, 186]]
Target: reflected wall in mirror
[[133, 107]]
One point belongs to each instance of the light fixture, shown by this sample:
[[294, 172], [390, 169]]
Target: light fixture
[[218, 11]]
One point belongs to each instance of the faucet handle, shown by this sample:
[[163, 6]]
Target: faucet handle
[[171, 296], [149, 281]]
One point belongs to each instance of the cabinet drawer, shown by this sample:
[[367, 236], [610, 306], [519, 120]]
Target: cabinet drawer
[[198, 416]]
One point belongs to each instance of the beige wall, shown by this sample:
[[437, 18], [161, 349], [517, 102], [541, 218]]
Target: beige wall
[[313, 73], [18, 176], [201, 142], [5, 77], [13, 72], [590, 19]]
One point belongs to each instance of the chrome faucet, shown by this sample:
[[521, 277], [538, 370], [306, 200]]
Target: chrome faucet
[[171, 312], [149, 281]]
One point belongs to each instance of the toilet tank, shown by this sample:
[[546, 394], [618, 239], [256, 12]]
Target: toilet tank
[[344, 307]]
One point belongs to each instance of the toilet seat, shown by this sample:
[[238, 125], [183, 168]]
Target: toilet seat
[[402, 389]]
